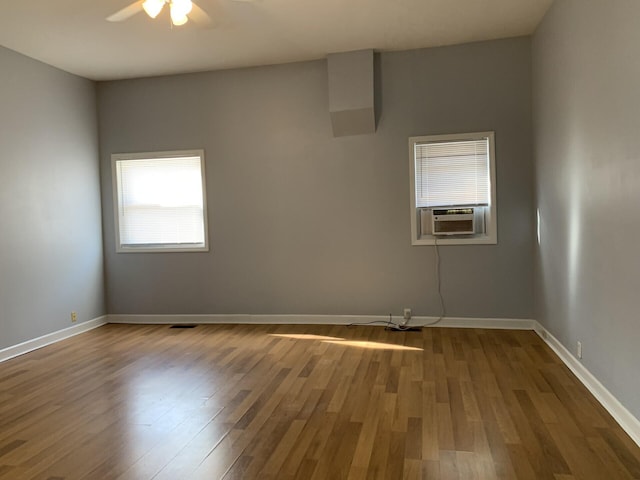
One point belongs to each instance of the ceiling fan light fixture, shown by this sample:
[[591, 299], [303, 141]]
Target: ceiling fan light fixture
[[180, 11], [181, 8], [177, 18], [179, 21], [153, 7]]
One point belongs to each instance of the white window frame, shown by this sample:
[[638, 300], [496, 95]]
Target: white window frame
[[490, 235], [159, 248]]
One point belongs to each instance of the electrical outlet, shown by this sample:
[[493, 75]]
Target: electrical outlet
[[579, 349], [74, 316], [407, 314]]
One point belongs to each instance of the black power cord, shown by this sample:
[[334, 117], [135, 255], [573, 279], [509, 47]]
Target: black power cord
[[374, 322], [403, 328], [443, 311], [388, 325], [397, 327]]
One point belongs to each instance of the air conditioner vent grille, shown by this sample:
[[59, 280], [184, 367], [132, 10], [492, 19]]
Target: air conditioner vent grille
[[453, 221]]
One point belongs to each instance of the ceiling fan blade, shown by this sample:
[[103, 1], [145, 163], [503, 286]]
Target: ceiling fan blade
[[199, 16], [126, 12]]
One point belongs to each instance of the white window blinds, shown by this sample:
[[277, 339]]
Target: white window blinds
[[160, 201], [452, 173]]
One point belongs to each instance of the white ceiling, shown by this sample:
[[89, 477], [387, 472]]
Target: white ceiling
[[73, 34]]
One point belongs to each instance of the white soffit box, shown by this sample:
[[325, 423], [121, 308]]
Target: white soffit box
[[351, 93]]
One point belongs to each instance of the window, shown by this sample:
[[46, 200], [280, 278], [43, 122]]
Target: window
[[160, 202], [453, 175]]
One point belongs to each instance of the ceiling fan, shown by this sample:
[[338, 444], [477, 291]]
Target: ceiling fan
[[180, 11]]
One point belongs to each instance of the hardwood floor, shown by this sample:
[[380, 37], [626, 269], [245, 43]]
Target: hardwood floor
[[282, 402]]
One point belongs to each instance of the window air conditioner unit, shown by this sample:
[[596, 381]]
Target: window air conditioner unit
[[453, 221]]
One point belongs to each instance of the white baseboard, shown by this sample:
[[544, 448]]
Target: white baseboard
[[625, 419], [34, 344], [491, 323], [453, 322]]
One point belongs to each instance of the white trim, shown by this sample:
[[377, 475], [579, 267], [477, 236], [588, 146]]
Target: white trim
[[48, 339], [479, 239], [627, 421], [291, 319], [159, 248], [470, 322]]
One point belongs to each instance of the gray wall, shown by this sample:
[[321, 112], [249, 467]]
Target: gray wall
[[50, 232], [301, 222], [587, 113]]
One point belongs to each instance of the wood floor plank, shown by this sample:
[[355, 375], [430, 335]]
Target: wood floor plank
[[608, 457], [412, 470], [582, 461], [281, 402], [295, 456], [430, 426], [364, 447], [501, 453]]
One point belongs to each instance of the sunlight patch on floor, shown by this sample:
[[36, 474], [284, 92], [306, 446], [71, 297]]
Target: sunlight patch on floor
[[305, 336], [348, 343], [373, 345]]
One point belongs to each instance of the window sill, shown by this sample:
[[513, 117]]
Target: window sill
[[453, 240], [162, 249]]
